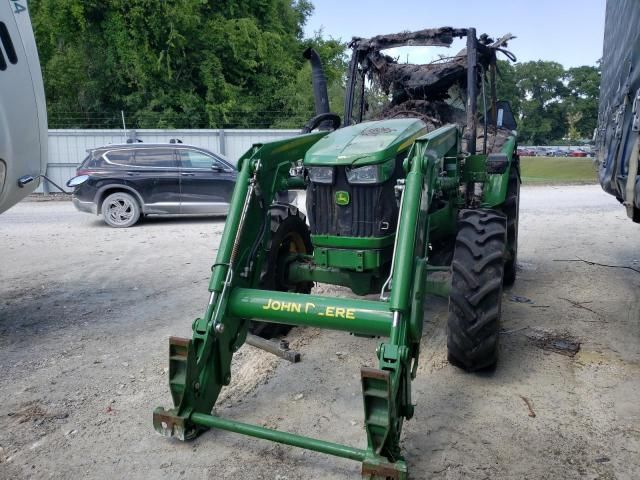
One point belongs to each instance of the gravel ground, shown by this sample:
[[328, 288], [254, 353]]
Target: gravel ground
[[86, 310]]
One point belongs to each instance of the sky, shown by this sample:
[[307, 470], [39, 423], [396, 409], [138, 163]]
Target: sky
[[565, 31]]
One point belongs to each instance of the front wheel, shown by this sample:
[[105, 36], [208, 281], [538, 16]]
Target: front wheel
[[120, 210], [476, 289], [289, 236]]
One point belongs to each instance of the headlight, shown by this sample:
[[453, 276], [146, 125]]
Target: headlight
[[75, 181], [371, 173], [368, 174], [321, 174]]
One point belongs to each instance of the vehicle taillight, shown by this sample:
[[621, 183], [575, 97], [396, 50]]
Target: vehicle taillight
[[75, 181]]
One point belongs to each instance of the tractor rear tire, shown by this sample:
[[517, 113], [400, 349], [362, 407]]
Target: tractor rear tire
[[511, 209], [289, 235], [475, 299]]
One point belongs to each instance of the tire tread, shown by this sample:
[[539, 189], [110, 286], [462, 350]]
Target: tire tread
[[476, 290]]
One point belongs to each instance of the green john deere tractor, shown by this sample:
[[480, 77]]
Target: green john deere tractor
[[395, 192]]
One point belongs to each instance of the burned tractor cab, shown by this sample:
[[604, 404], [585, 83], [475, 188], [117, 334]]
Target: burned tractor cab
[[444, 91], [355, 174]]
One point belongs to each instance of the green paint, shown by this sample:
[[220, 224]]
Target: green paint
[[352, 315], [361, 283], [352, 242], [358, 260], [342, 198], [366, 143], [286, 438], [201, 366]]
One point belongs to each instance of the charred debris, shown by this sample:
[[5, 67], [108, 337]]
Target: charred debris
[[439, 92]]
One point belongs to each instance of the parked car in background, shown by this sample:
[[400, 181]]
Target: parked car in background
[[540, 151], [125, 182], [557, 152], [577, 153], [526, 152]]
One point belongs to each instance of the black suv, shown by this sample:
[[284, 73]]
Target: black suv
[[124, 182]]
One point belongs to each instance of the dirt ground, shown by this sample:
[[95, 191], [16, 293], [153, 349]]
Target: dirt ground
[[86, 311]]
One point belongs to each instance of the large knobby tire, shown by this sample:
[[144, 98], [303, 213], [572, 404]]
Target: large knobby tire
[[511, 209], [476, 289], [289, 235], [120, 210]]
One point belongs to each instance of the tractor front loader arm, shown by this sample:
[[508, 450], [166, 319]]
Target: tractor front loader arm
[[201, 366], [392, 381]]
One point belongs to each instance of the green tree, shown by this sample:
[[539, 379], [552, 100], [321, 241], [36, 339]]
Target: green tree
[[549, 102], [507, 85], [582, 101], [541, 90], [181, 63]]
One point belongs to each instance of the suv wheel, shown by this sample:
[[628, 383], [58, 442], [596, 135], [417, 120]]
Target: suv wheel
[[120, 210]]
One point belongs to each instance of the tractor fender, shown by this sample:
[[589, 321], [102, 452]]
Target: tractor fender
[[498, 168]]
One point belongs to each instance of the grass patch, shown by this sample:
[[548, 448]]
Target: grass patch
[[557, 170]]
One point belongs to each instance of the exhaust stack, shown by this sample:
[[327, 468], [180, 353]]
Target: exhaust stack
[[319, 79]]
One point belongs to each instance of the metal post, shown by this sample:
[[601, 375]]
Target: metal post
[[124, 125], [350, 90], [222, 141], [45, 184], [484, 112], [472, 90], [494, 96]]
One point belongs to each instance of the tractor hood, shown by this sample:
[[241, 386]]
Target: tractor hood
[[366, 143]]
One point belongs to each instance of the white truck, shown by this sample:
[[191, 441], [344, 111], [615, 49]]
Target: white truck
[[23, 113]]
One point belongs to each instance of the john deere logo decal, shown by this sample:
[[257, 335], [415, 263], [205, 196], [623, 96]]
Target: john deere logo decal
[[342, 198]]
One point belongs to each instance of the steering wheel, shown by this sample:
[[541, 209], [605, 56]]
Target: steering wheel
[[320, 119]]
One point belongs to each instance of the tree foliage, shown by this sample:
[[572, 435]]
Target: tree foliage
[[550, 103], [238, 63], [180, 63]]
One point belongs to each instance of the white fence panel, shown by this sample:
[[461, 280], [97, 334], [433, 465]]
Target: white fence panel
[[237, 142], [67, 148]]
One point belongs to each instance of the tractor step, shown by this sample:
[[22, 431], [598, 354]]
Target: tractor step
[[379, 469], [178, 359], [378, 418], [376, 392]]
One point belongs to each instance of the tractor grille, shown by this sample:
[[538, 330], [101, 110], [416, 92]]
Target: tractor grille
[[372, 210]]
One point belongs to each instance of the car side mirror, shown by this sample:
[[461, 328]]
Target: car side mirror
[[217, 168]]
